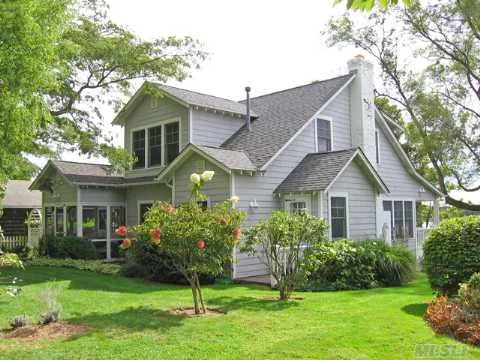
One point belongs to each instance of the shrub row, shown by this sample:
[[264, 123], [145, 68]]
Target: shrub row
[[96, 266], [72, 247], [345, 264]]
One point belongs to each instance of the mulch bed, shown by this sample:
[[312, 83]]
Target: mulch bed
[[190, 311], [42, 332]]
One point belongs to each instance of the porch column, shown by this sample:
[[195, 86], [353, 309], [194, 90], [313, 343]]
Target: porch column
[[64, 221], [79, 220], [436, 211], [109, 231]]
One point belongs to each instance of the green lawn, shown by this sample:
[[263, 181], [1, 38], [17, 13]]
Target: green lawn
[[130, 321]]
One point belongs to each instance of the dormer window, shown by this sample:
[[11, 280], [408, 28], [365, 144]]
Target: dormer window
[[156, 145], [324, 135]]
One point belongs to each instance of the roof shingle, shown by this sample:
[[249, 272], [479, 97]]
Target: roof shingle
[[316, 171], [280, 116], [234, 160]]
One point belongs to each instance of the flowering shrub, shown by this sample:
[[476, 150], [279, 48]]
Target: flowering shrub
[[197, 240]]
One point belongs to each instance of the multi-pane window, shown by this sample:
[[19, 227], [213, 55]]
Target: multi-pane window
[[324, 135], [203, 204], [138, 148], [143, 208], [298, 207], [59, 220], [158, 145], [172, 139], [402, 225], [71, 220], [338, 212], [49, 221], [155, 146]]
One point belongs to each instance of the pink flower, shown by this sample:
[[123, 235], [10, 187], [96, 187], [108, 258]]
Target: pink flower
[[223, 221], [126, 243], [201, 244], [237, 233], [122, 231]]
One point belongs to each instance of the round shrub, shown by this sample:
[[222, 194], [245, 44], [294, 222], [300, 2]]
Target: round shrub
[[469, 293], [452, 253], [72, 247]]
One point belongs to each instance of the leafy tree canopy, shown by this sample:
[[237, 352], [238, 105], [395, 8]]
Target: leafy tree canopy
[[60, 61], [438, 93], [367, 5]]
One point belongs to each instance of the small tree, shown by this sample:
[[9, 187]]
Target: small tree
[[283, 238], [198, 240]]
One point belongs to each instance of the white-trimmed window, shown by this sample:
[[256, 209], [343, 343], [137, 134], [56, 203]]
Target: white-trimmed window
[[156, 145], [143, 207], [324, 135], [402, 218], [298, 207], [338, 217]]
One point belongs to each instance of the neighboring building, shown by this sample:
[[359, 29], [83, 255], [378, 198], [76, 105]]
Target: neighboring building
[[16, 206], [322, 148]]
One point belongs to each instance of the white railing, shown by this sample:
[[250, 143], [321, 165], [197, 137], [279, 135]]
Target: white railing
[[422, 234], [11, 242]]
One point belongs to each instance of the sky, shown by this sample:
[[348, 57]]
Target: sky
[[265, 44]]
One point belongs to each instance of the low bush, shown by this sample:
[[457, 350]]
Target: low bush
[[149, 262], [452, 253], [346, 265], [72, 247], [97, 266], [448, 318], [469, 294], [19, 321]]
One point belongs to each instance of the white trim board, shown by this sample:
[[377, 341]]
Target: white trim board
[[304, 126]]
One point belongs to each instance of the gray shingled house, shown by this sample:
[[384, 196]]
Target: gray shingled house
[[322, 148]]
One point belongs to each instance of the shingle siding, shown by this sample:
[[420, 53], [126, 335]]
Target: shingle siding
[[213, 129]]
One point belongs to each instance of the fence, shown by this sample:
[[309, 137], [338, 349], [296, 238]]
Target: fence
[[421, 236], [13, 242]]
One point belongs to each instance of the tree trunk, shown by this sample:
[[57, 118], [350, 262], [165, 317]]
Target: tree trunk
[[284, 290], [195, 295], [200, 295]]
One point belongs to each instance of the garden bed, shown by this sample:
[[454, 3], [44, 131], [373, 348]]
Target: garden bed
[[41, 332]]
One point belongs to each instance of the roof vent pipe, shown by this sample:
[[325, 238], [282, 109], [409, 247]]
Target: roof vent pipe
[[247, 89]]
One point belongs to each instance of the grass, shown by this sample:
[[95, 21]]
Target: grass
[[130, 321]]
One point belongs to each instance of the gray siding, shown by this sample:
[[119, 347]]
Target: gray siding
[[63, 192], [260, 189], [144, 115], [134, 194], [339, 110], [217, 190], [212, 129], [361, 202], [400, 183], [101, 196]]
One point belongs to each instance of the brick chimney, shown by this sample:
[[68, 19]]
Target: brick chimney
[[362, 108]]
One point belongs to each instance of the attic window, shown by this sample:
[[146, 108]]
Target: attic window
[[324, 135]]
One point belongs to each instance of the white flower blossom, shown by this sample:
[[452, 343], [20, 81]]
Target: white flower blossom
[[207, 175], [195, 178], [234, 199]]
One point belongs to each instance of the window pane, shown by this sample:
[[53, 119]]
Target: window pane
[[72, 220], [138, 147], [89, 222], [117, 218], [49, 221], [143, 210], [338, 214], [324, 140], [398, 220], [59, 219], [409, 218], [172, 139], [102, 220], [203, 204], [298, 207], [155, 146], [387, 206]]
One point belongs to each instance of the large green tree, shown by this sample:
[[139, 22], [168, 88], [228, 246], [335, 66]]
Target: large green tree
[[439, 92], [367, 5], [60, 62]]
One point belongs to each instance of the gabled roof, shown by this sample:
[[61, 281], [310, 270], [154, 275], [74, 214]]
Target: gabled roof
[[17, 195], [78, 173], [280, 117], [381, 120], [227, 160], [318, 171], [188, 99]]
